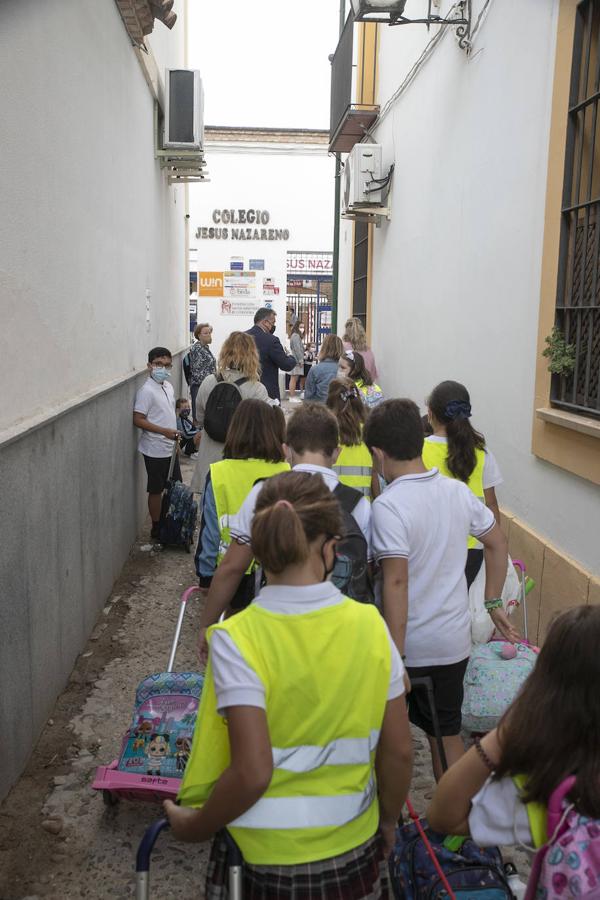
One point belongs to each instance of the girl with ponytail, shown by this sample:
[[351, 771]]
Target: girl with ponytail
[[354, 465], [302, 748], [458, 451]]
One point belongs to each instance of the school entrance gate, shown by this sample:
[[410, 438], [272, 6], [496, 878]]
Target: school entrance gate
[[309, 292]]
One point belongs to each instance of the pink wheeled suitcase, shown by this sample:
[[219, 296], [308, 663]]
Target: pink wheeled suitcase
[[157, 745]]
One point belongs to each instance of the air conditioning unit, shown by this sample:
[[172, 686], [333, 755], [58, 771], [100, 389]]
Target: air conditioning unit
[[184, 110], [362, 179]]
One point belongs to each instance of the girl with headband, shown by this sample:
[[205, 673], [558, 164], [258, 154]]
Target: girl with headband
[[458, 451], [354, 465]]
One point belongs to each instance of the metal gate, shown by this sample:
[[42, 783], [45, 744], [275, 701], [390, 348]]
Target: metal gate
[[310, 300]]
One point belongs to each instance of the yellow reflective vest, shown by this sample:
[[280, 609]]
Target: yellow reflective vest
[[435, 456], [326, 689], [354, 467], [232, 480]]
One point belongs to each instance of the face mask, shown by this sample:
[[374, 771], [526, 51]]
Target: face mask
[[161, 374], [184, 413], [327, 571], [273, 329], [340, 373]]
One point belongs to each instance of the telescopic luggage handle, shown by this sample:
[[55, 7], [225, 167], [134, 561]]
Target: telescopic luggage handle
[[184, 599], [518, 564], [142, 861]]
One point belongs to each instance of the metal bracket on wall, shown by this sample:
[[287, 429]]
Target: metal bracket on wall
[[183, 166], [373, 214], [461, 21]]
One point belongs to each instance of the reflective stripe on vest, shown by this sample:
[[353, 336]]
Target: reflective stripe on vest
[[232, 480], [354, 467], [341, 752], [325, 694], [313, 812], [435, 455]]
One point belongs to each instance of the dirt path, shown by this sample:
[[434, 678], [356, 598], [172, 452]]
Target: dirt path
[[57, 838]]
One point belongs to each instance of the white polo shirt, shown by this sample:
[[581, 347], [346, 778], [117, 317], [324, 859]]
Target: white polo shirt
[[157, 402], [426, 519], [241, 529]]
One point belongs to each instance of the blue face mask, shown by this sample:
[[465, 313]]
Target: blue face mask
[[160, 374]]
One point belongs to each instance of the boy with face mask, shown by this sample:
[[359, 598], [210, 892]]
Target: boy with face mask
[[154, 414]]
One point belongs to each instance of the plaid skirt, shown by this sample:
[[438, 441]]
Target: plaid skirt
[[359, 874]]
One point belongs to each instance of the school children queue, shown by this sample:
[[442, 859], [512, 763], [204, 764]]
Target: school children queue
[[302, 748]]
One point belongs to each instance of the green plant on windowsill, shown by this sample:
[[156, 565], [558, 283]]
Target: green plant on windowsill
[[560, 354]]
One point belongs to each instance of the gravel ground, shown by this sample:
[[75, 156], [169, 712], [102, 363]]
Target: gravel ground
[[57, 838]]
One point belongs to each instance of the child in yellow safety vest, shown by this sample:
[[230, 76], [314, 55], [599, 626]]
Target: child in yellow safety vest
[[302, 748], [352, 365], [253, 451], [458, 451], [499, 790], [354, 465]]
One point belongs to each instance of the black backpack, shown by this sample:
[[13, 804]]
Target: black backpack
[[351, 571], [222, 402]]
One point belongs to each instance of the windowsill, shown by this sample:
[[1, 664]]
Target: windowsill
[[581, 424]]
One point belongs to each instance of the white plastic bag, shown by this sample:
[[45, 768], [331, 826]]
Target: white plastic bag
[[482, 627]]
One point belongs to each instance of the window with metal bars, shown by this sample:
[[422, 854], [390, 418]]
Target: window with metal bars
[[578, 288], [361, 267]]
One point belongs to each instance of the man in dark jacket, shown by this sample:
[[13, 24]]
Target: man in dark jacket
[[272, 355]]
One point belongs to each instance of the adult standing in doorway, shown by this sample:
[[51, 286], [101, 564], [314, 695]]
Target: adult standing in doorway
[[297, 348], [202, 361], [272, 355], [355, 338]]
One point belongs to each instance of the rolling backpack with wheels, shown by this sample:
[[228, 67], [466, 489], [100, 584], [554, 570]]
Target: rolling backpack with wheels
[[178, 512], [351, 571], [222, 402]]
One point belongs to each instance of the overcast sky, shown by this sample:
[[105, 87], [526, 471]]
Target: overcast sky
[[264, 62]]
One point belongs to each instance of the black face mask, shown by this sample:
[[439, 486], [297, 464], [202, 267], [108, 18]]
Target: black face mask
[[184, 413], [273, 329], [325, 569]]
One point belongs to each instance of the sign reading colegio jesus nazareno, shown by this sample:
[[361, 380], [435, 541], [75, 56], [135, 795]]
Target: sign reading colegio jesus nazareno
[[226, 222]]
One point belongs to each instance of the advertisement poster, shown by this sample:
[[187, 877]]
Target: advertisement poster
[[238, 308], [270, 288], [257, 264], [237, 285], [237, 263], [210, 284]]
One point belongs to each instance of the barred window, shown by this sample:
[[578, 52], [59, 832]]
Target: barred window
[[578, 289], [361, 270]]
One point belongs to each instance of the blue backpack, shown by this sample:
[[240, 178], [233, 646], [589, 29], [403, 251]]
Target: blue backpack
[[471, 871]]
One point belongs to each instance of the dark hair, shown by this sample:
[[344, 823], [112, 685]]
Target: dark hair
[[158, 351], [553, 727], [451, 405], [313, 428], [256, 431], [181, 402], [344, 400], [395, 427], [427, 429], [282, 532], [359, 370], [263, 313]]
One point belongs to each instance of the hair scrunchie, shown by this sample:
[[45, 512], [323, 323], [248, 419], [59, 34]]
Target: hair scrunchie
[[348, 394], [457, 409]]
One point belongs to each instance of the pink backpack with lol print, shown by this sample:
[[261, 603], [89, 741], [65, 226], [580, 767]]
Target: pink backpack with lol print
[[568, 865]]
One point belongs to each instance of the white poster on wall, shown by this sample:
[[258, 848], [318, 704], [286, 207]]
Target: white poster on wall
[[237, 285]]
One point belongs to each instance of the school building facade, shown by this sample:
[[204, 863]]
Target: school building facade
[[488, 238]]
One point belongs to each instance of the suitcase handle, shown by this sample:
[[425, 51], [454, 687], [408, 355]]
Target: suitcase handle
[[142, 861], [189, 592]]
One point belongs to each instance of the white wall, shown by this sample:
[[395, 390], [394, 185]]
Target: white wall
[[297, 188], [456, 281], [84, 199]]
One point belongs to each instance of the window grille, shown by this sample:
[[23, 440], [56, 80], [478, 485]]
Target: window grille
[[578, 288], [361, 267]]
